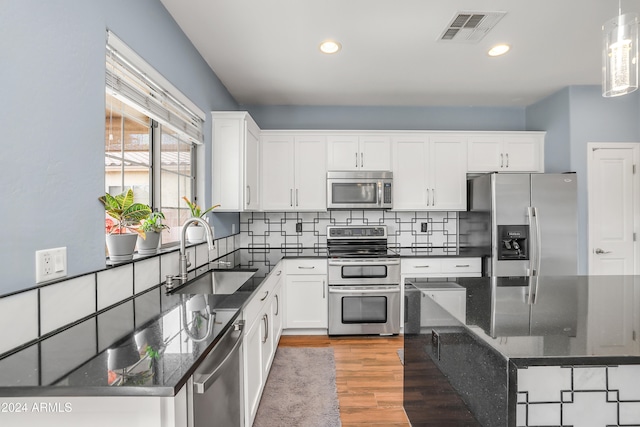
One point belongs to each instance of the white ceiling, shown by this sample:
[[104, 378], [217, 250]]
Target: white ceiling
[[266, 51]]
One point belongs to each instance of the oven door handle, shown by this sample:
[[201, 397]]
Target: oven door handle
[[333, 290], [367, 262]]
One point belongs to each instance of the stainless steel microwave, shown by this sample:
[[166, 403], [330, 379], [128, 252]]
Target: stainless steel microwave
[[359, 190]]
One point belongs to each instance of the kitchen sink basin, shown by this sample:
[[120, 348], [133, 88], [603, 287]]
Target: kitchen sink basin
[[219, 282]]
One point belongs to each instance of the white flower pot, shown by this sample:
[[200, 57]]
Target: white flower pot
[[195, 234], [121, 246], [148, 245]]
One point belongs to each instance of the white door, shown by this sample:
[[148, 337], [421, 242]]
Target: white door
[[277, 172], [310, 173], [410, 172], [343, 153], [448, 173], [612, 186], [375, 153]]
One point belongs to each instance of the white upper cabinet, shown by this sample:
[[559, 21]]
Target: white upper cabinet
[[294, 172], [429, 171], [235, 161], [506, 152], [359, 152]]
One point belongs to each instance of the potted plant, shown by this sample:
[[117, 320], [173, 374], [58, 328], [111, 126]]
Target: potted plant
[[123, 224], [152, 226], [195, 233]]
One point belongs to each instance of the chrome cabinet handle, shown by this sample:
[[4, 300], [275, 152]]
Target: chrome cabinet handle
[[323, 290], [304, 267], [599, 251], [356, 159], [291, 197], [501, 160], [428, 197], [297, 197], [462, 265], [421, 266], [361, 159], [507, 156], [248, 195], [265, 296], [279, 272], [277, 304], [433, 199], [266, 328]]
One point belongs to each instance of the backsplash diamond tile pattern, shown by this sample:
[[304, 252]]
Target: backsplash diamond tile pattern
[[578, 396]]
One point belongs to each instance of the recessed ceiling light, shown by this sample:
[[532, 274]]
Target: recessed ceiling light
[[330, 46], [499, 49]]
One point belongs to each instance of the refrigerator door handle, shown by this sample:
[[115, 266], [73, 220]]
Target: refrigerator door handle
[[533, 246], [536, 214]]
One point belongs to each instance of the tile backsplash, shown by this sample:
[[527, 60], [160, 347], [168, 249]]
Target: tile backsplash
[[267, 231], [53, 307]]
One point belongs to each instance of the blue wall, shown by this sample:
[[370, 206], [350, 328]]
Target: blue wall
[[388, 118], [52, 121]]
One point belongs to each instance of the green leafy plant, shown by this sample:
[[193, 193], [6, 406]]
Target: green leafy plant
[[126, 214], [153, 222], [196, 211]]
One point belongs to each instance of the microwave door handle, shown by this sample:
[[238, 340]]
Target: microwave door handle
[[379, 193]]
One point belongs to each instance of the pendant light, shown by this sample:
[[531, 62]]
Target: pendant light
[[620, 54]]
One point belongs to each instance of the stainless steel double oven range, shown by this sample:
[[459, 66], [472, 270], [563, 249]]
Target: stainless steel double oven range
[[364, 281]]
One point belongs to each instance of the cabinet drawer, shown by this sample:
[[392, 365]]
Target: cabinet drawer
[[461, 265], [306, 266], [421, 265]]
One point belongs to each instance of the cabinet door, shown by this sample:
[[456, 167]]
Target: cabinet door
[[277, 315], [227, 161], [343, 153], [266, 338], [448, 173], [251, 168], [484, 153], [310, 173], [277, 163], [253, 372], [306, 305], [410, 172], [522, 153], [375, 153]]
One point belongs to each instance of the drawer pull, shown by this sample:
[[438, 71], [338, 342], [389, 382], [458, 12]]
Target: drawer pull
[[422, 266], [302, 267], [265, 296], [462, 265]]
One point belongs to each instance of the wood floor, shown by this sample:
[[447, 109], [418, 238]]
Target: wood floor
[[368, 377]]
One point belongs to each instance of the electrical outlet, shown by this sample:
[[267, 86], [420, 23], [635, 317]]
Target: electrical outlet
[[298, 227], [423, 227], [51, 264]]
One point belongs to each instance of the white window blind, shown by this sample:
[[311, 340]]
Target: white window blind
[[133, 81]]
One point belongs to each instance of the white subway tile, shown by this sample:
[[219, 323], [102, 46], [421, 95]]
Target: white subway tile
[[66, 302], [22, 306], [114, 285], [202, 255], [169, 265], [147, 274]]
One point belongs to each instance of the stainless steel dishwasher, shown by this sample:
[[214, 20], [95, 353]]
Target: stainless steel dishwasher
[[217, 383]]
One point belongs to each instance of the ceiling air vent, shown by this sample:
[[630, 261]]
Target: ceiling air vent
[[470, 27]]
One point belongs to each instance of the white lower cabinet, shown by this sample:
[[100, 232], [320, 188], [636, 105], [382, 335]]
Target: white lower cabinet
[[263, 316], [306, 293]]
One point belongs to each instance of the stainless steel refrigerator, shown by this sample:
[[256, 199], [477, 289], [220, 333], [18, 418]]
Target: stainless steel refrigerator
[[523, 224]]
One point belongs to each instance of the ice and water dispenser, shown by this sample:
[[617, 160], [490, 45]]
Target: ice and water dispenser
[[513, 242]]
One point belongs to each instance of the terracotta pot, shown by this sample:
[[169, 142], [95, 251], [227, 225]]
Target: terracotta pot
[[121, 246], [149, 245]]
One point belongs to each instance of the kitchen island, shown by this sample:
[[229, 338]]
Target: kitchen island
[[509, 351]]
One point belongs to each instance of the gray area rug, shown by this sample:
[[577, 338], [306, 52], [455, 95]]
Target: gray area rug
[[301, 390]]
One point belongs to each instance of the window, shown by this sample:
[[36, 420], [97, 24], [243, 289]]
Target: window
[[150, 136]]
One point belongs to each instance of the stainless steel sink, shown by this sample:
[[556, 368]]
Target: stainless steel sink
[[219, 282]]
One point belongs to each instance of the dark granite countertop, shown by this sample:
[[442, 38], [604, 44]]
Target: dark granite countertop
[[560, 317], [143, 346]]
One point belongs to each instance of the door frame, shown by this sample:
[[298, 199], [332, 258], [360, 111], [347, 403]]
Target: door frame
[[635, 147]]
